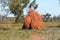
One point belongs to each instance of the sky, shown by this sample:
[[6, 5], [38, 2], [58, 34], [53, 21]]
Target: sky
[[44, 6], [48, 6]]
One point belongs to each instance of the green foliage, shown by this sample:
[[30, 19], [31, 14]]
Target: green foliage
[[16, 6]]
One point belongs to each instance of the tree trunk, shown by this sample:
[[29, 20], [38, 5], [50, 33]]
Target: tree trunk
[[17, 19]]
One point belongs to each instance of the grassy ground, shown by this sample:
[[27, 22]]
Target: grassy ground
[[14, 32]]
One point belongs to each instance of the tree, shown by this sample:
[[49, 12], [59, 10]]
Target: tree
[[59, 1], [17, 7], [5, 11], [59, 17], [46, 17], [54, 18]]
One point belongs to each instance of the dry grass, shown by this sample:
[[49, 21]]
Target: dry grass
[[52, 24], [14, 32]]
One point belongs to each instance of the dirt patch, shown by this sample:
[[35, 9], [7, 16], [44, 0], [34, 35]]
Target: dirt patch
[[38, 37]]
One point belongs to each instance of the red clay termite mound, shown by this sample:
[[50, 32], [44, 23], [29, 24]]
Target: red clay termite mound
[[33, 21]]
